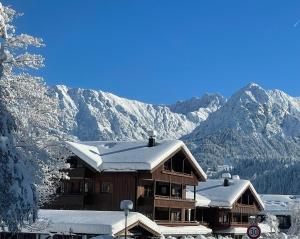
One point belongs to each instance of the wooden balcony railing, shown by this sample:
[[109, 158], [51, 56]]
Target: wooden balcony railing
[[173, 202], [177, 223], [233, 224], [171, 172]]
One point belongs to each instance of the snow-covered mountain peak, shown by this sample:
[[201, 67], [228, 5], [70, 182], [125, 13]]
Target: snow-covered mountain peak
[[253, 123], [251, 93], [214, 100], [98, 115]]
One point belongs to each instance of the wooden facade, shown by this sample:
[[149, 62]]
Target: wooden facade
[[238, 215], [160, 194]]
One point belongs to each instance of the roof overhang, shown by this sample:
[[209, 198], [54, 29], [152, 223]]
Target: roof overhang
[[140, 224], [249, 186], [91, 156]]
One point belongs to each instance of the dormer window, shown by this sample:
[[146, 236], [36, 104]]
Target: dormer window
[[168, 165]]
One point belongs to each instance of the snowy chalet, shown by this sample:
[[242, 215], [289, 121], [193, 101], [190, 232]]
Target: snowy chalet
[[153, 175], [226, 204]]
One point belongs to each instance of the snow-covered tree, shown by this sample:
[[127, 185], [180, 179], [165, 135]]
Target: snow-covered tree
[[272, 222], [29, 127], [17, 197], [295, 227]]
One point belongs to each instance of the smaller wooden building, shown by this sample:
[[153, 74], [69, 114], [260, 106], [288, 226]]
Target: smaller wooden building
[[225, 205]]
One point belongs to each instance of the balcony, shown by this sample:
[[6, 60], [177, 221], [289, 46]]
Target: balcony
[[244, 208], [170, 190], [76, 173], [69, 201], [172, 172], [161, 201], [233, 219], [178, 223], [172, 217]]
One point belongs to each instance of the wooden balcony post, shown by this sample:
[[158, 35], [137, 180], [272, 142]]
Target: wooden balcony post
[[154, 194]]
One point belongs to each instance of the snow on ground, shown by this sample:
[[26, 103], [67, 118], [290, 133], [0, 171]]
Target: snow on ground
[[184, 230]]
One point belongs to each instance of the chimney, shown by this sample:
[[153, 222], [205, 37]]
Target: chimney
[[226, 182], [151, 141], [226, 177]]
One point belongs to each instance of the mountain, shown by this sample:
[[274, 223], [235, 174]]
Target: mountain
[[198, 108], [97, 115], [253, 125], [255, 130]]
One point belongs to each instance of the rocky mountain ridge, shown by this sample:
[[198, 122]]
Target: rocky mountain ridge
[[97, 115], [256, 130]]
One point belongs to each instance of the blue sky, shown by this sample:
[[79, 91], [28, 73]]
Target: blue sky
[[163, 51]]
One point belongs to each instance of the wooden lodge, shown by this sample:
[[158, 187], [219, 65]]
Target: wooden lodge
[[225, 205], [154, 176]]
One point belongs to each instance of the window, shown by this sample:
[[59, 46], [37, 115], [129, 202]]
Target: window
[[284, 222], [148, 191], [223, 218], [175, 215], [163, 188], [187, 167], [89, 187], [176, 191], [162, 214], [177, 162], [70, 187], [236, 217], [75, 187], [168, 165], [106, 187]]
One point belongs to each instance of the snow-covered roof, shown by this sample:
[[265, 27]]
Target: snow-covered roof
[[184, 230], [279, 204], [221, 196], [201, 201], [87, 222], [129, 155]]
